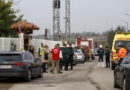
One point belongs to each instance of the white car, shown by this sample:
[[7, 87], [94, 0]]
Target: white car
[[79, 55]]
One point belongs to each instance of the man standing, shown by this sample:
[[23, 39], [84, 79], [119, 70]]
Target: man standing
[[100, 54], [71, 53], [107, 54], [40, 51], [122, 53], [55, 59], [65, 56]]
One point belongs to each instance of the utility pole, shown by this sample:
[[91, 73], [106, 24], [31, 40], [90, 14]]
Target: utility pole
[[56, 20], [67, 20]]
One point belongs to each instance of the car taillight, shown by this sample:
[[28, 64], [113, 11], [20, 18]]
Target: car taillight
[[19, 64]]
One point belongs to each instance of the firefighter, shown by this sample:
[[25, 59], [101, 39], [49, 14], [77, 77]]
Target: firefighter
[[90, 54], [121, 53], [100, 54]]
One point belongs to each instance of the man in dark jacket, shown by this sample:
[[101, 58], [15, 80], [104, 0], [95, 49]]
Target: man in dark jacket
[[70, 56], [100, 54], [65, 56], [107, 54]]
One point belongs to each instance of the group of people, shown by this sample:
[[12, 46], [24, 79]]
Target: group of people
[[58, 56], [121, 54], [101, 53]]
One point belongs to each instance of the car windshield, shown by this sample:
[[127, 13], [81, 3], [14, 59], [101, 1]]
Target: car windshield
[[10, 57], [125, 43]]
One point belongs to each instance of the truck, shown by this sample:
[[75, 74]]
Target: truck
[[85, 44]]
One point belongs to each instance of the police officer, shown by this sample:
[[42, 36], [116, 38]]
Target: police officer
[[65, 56], [107, 54], [100, 54], [70, 56]]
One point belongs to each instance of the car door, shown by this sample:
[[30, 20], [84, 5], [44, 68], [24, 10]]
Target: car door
[[121, 69], [35, 64]]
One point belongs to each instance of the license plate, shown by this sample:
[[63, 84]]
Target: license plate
[[5, 66]]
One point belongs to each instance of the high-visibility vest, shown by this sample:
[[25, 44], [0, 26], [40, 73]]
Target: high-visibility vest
[[41, 50], [122, 53]]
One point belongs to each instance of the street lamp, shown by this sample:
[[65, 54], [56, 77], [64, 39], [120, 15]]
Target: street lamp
[[127, 24]]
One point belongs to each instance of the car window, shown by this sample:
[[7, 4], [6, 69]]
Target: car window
[[30, 56], [25, 56], [10, 57]]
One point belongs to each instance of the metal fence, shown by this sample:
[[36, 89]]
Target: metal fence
[[13, 44]]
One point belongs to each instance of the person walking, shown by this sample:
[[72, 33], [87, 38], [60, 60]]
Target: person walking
[[100, 54], [107, 55], [122, 53], [65, 56], [55, 59], [70, 56], [90, 54]]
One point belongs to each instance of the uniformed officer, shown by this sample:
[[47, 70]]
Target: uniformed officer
[[70, 56], [65, 56], [100, 54], [107, 54]]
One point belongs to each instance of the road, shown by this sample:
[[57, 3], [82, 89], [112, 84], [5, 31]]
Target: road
[[84, 77]]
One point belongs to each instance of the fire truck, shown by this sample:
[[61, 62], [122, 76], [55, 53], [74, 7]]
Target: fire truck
[[85, 44]]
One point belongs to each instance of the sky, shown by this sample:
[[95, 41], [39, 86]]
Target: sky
[[86, 15]]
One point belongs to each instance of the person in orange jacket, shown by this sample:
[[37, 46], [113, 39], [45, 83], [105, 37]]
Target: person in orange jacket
[[121, 53]]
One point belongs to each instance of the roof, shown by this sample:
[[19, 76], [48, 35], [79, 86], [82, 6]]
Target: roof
[[13, 52]]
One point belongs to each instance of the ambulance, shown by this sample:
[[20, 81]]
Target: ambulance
[[121, 38]]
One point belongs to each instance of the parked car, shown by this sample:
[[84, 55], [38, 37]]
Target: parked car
[[122, 74], [20, 64], [95, 51], [79, 55]]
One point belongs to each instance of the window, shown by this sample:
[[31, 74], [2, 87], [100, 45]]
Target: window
[[30, 56], [126, 60], [10, 57], [25, 56]]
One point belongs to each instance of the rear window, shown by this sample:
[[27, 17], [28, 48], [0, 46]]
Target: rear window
[[10, 57]]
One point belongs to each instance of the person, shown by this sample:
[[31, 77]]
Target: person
[[65, 56], [40, 51], [55, 59], [90, 54], [100, 54], [61, 59], [31, 50], [121, 53], [107, 55], [45, 57], [70, 56]]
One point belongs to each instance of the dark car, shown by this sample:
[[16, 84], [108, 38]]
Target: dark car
[[122, 74], [19, 64]]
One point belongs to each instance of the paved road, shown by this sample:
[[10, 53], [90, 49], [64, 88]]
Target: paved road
[[84, 77]]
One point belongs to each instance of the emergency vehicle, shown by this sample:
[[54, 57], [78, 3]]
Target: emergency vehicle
[[121, 38]]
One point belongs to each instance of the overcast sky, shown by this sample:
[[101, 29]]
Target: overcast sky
[[86, 15]]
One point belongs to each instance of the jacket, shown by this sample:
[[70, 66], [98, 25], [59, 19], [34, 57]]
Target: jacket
[[44, 50], [100, 51], [65, 52], [107, 53], [122, 53], [71, 51]]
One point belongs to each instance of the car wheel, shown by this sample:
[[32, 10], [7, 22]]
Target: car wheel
[[125, 85], [115, 83], [29, 76], [112, 66], [40, 73]]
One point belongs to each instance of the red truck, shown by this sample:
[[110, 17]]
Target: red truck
[[85, 44]]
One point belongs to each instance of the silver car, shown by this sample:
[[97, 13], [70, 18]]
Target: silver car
[[79, 56]]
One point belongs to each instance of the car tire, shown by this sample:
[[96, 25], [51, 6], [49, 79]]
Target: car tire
[[125, 85], [112, 66], [40, 75], [115, 83], [29, 76]]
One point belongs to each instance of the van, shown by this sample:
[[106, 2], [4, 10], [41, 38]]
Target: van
[[121, 38]]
